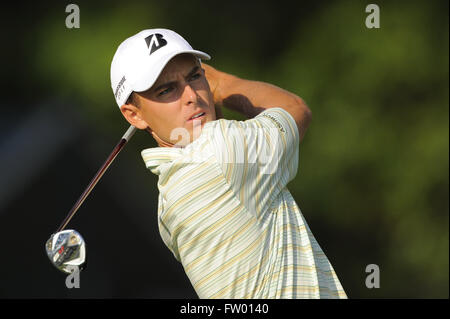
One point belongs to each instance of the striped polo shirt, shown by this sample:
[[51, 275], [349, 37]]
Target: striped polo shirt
[[225, 212]]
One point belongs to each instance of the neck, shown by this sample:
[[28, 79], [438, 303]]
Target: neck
[[160, 141]]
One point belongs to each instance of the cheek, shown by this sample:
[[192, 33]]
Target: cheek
[[151, 118], [209, 96], [210, 101], [163, 118], [205, 93]]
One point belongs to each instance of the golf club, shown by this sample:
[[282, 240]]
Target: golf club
[[66, 249]]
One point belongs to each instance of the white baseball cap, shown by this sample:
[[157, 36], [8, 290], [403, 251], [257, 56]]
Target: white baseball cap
[[140, 59]]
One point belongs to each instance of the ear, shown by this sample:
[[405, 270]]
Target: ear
[[133, 115]]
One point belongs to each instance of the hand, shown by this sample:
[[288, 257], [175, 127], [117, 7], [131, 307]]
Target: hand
[[212, 76]]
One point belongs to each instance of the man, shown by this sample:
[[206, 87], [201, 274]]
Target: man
[[224, 210]]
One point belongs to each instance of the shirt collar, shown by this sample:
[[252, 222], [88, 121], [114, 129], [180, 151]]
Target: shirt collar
[[156, 158]]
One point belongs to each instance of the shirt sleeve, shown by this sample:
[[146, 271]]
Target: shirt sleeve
[[258, 157]]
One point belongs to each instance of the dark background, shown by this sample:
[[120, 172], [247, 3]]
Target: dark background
[[373, 173]]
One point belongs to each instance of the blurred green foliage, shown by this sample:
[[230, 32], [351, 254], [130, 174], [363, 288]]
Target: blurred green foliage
[[373, 174]]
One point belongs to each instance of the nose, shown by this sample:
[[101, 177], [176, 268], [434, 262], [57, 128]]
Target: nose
[[189, 95]]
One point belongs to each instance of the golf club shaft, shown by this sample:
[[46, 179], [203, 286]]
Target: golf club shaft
[[125, 138]]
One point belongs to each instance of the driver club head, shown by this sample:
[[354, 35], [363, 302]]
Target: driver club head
[[66, 250]]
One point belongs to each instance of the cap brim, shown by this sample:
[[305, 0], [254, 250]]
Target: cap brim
[[149, 77]]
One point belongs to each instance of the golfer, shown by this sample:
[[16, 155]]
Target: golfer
[[224, 209]]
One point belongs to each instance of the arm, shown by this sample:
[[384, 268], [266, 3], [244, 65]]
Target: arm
[[253, 97]]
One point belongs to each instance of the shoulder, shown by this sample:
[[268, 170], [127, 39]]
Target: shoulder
[[279, 118], [274, 119]]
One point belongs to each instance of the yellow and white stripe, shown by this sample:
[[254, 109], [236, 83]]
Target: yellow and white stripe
[[225, 212]]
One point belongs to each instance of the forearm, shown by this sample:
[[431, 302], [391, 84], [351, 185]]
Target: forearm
[[252, 97]]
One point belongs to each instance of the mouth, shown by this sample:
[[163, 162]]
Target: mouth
[[197, 116]]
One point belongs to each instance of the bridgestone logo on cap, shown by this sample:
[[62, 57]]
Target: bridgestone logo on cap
[[155, 42], [119, 88]]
